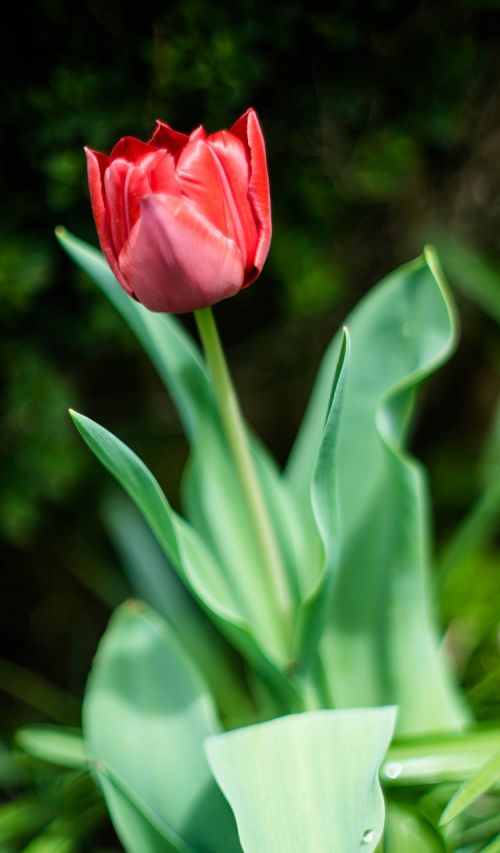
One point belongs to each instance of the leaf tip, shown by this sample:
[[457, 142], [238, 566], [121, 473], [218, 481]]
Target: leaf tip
[[134, 606], [60, 233]]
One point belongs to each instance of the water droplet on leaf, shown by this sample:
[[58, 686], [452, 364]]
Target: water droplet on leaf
[[393, 770], [368, 836]]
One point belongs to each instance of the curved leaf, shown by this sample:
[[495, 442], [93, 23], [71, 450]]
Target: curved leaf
[[186, 551], [381, 644], [146, 713], [154, 580], [316, 606], [306, 781]]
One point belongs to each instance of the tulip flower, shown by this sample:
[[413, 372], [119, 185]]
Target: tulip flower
[[184, 221]]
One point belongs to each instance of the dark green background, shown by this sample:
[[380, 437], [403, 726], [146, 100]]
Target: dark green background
[[382, 121]]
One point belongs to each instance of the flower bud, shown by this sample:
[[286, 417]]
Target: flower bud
[[184, 221]]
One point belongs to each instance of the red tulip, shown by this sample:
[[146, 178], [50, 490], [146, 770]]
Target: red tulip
[[184, 221]]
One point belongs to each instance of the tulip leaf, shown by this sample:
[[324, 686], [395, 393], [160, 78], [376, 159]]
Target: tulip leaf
[[307, 781], [55, 744], [381, 643], [154, 580], [186, 551], [316, 606], [211, 489], [138, 828], [472, 789], [146, 714], [407, 830], [440, 759]]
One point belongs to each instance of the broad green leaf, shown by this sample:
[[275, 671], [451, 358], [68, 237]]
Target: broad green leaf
[[381, 644], [206, 578], [318, 602], [55, 744], [472, 789], [407, 831], [138, 828], [307, 781], [153, 579], [146, 714], [211, 489]]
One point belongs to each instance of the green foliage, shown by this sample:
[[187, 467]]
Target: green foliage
[[54, 744], [349, 463], [146, 714], [363, 153], [306, 781], [400, 333]]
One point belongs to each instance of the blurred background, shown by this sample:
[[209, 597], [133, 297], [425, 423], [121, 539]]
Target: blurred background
[[382, 121]]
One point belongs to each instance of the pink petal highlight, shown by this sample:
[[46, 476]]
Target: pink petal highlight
[[176, 261], [199, 180]]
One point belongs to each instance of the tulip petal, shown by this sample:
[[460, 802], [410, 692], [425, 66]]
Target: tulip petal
[[131, 149], [235, 162], [176, 261], [115, 188], [199, 178], [166, 137], [155, 173], [248, 129], [96, 167], [198, 133]]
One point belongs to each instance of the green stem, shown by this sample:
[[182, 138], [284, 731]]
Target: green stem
[[274, 572]]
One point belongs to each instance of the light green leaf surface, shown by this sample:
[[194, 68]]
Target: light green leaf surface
[[472, 789], [211, 490], [407, 831], [315, 609], [306, 781], [206, 578], [154, 580], [146, 714], [140, 830], [381, 645], [55, 744]]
